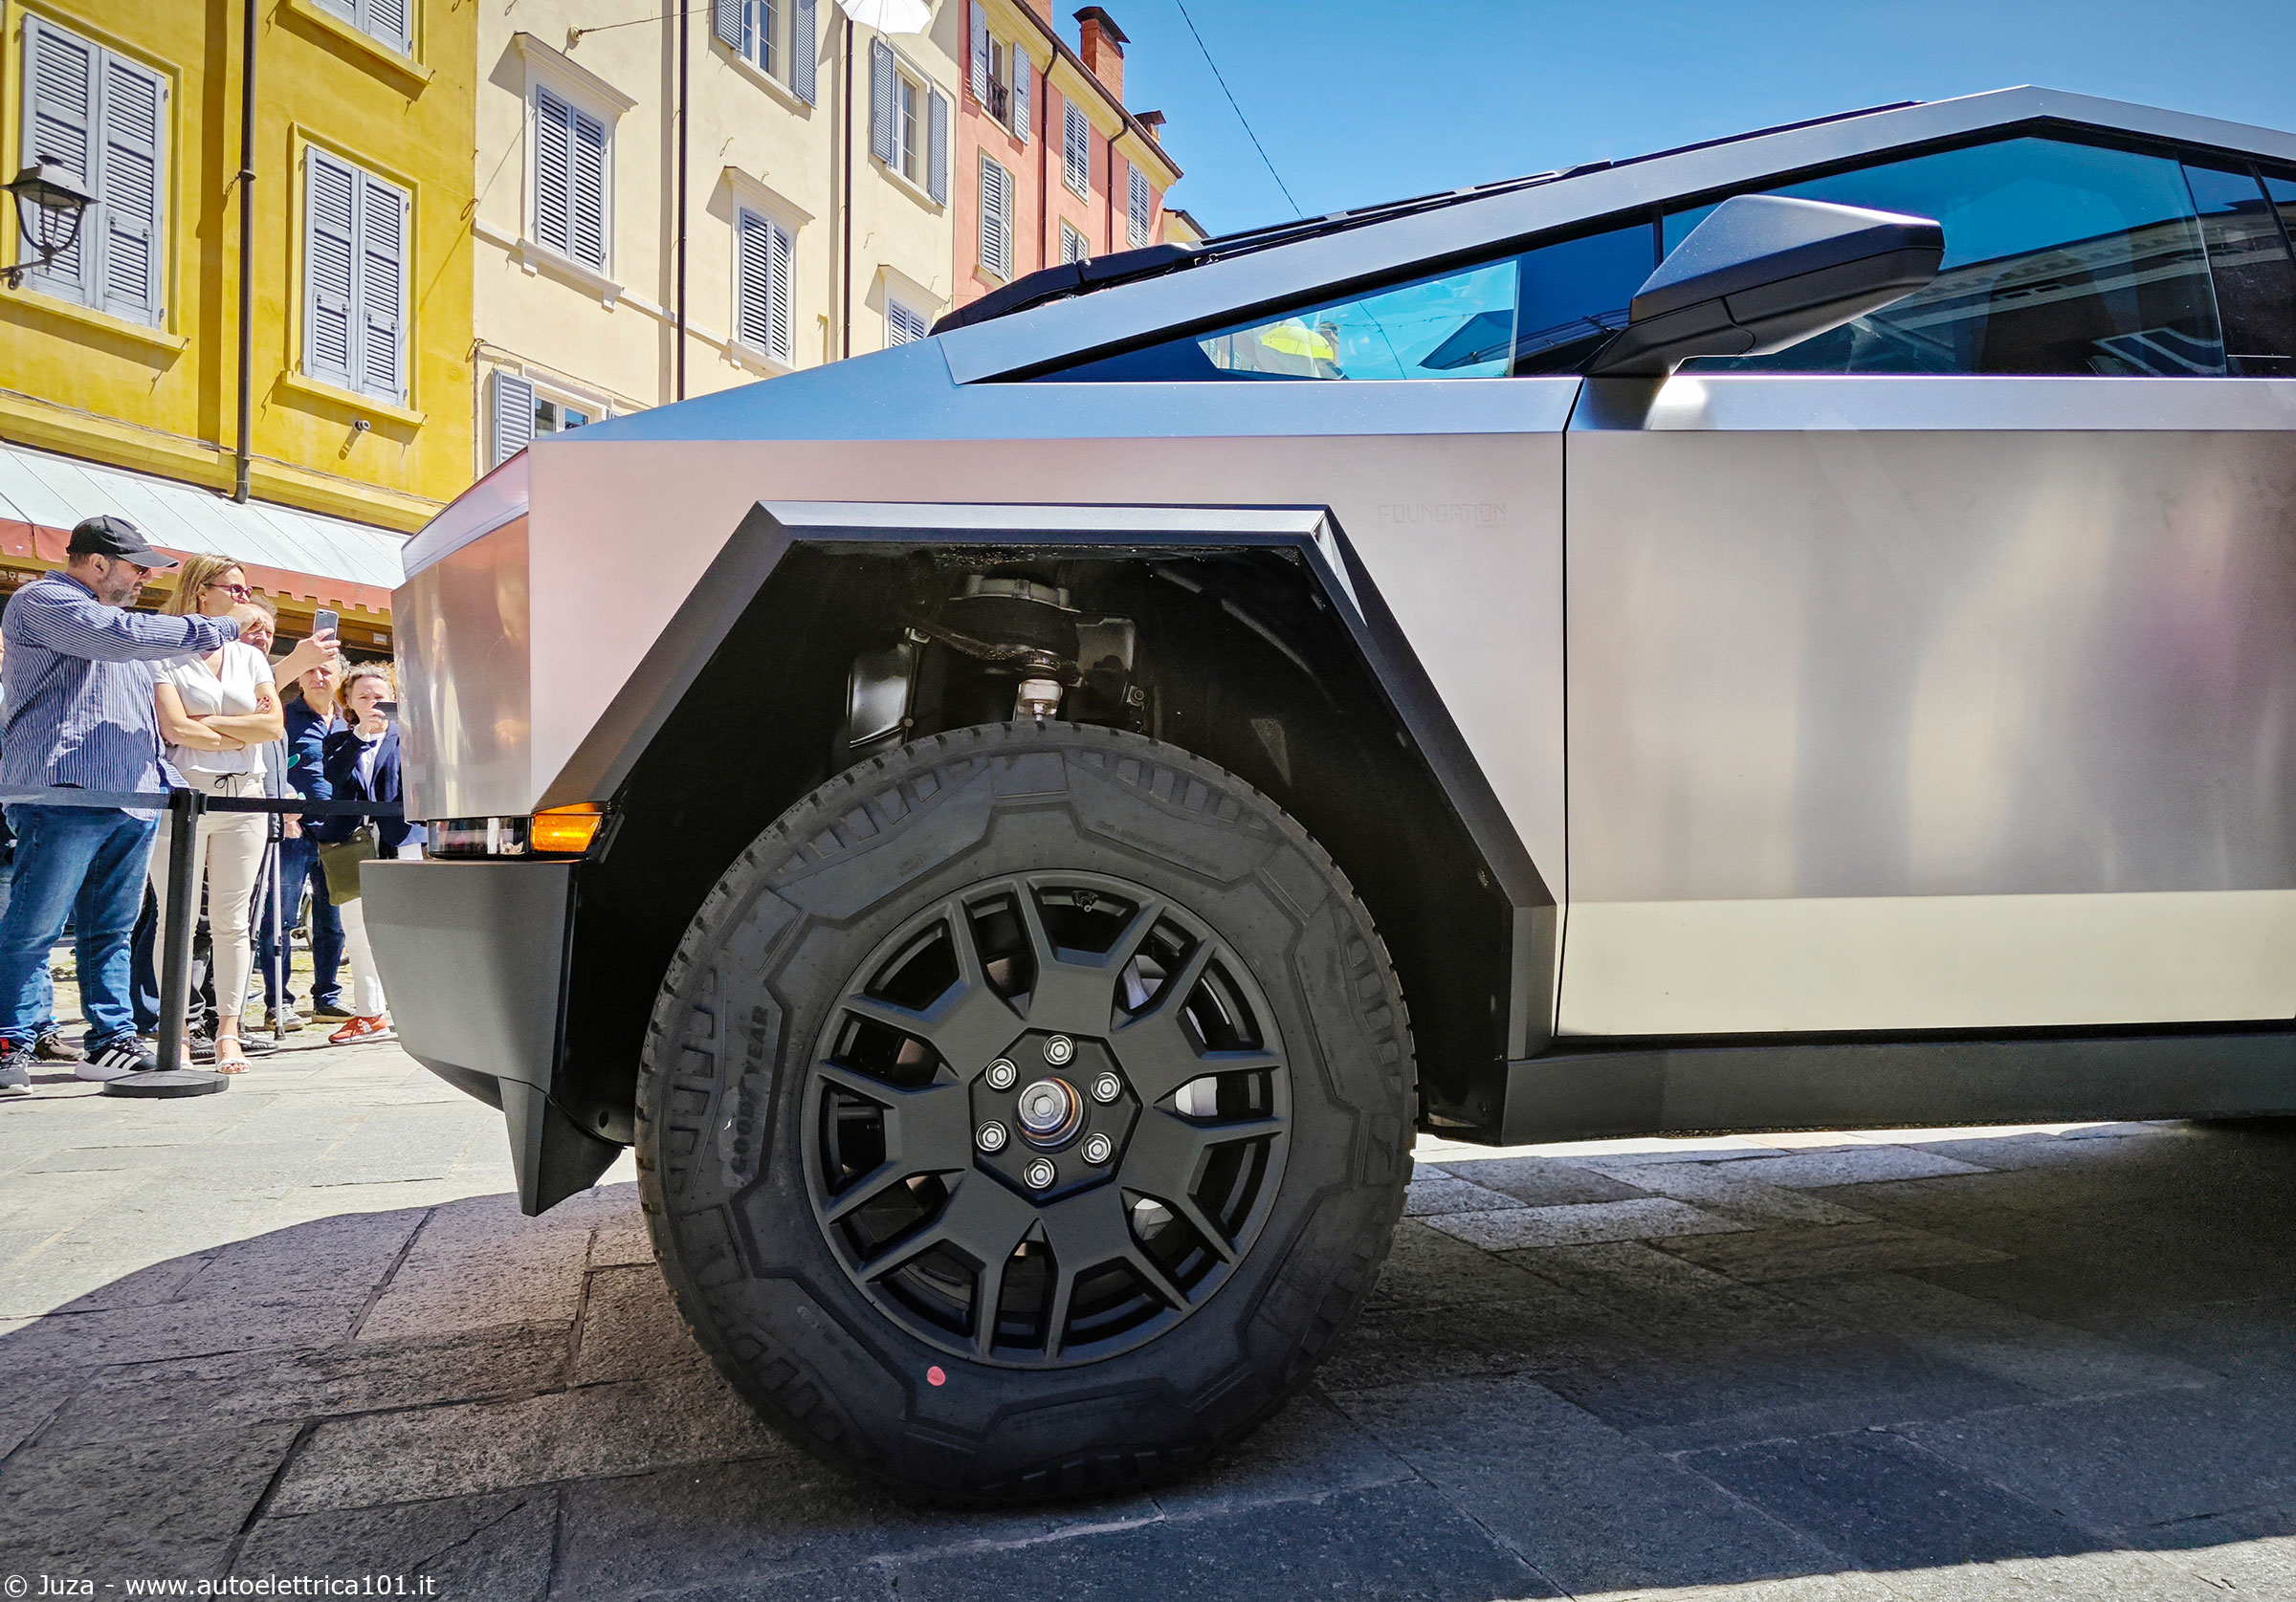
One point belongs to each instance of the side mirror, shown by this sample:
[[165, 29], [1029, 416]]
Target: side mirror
[[1764, 272]]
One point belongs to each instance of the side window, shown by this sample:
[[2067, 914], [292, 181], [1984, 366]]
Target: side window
[[1544, 311], [2248, 260], [2059, 259]]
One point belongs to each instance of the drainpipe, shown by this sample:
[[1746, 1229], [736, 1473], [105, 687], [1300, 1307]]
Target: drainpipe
[[685, 109], [845, 294], [245, 451]]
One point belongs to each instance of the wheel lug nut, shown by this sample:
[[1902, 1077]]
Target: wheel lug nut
[[990, 1137], [1098, 1149], [1040, 1175], [1106, 1087], [1002, 1073], [1059, 1049]]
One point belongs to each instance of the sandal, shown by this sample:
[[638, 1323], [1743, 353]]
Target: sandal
[[230, 1058]]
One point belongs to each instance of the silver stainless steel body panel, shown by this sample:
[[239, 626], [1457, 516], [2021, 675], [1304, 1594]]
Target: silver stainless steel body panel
[[1451, 500], [1932, 703]]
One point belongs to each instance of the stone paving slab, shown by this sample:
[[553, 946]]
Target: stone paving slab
[[301, 1328]]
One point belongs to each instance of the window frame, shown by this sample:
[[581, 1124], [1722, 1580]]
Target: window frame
[[1071, 235], [353, 379], [1077, 164], [360, 14], [922, 324], [749, 209], [1001, 271]]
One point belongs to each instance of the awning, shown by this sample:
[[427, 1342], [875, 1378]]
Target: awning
[[287, 553]]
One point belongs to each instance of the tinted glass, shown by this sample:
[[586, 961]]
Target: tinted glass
[[1544, 311], [2059, 258], [2283, 191], [2256, 282]]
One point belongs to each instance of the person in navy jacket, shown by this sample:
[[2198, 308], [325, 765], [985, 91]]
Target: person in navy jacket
[[361, 762]]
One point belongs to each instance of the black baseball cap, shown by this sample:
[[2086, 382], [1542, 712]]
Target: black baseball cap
[[108, 536]]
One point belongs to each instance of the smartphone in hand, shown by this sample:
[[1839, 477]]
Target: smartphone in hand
[[325, 621]]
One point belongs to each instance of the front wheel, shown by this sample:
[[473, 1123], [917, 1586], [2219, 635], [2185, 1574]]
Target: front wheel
[[1025, 1113]]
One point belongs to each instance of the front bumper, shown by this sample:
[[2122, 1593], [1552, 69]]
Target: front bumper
[[475, 957]]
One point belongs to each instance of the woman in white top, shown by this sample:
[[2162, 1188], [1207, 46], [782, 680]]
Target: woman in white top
[[216, 713]]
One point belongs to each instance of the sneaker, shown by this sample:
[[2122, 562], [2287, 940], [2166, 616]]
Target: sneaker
[[52, 1047], [358, 1029], [15, 1070], [332, 1012], [282, 1018], [117, 1060]]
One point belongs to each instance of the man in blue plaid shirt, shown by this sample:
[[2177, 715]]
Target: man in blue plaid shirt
[[79, 714]]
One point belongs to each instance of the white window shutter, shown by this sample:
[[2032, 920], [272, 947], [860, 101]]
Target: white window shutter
[[60, 73], [980, 53], [1139, 214], [784, 294], [130, 191], [996, 230], [937, 165], [725, 21], [513, 415], [553, 159], [382, 367], [753, 280], [387, 20], [1076, 151], [804, 46], [329, 269], [902, 324], [1020, 93], [881, 109], [586, 210]]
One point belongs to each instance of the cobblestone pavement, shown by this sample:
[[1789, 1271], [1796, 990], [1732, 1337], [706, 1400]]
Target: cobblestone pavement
[[300, 1329]]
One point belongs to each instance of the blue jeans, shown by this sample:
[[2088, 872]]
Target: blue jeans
[[86, 863], [8, 885], [299, 863]]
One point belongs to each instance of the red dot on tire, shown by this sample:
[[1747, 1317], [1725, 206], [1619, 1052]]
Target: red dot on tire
[[934, 1376]]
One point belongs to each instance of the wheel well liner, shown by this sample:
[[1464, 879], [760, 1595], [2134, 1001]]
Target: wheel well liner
[[730, 717]]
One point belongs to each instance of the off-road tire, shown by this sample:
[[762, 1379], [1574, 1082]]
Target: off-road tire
[[733, 1036]]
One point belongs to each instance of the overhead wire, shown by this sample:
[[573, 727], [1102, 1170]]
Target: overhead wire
[[1297, 211]]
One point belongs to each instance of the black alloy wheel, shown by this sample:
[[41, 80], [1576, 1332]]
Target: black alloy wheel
[[1026, 1113]]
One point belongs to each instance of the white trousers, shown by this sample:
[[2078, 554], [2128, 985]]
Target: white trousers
[[366, 984], [227, 853]]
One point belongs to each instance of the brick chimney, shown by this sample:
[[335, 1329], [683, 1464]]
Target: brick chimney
[[1103, 49], [1153, 122]]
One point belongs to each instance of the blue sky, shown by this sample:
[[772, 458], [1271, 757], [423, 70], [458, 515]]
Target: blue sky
[[1362, 100]]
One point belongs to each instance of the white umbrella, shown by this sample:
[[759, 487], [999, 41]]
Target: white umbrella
[[890, 16]]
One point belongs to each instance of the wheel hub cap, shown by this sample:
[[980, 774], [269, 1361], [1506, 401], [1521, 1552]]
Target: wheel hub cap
[[1141, 1167]]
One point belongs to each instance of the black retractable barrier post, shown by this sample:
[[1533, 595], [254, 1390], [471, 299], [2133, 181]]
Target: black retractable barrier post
[[175, 1077]]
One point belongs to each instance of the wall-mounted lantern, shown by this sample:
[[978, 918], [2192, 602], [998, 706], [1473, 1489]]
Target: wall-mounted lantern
[[49, 205]]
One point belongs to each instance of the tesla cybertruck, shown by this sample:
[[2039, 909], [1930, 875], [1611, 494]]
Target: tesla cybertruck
[[1019, 830]]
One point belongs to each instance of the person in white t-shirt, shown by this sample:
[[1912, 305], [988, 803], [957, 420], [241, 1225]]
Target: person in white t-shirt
[[216, 713]]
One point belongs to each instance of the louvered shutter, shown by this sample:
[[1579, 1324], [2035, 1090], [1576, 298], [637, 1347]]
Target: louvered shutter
[[937, 166], [382, 366], [785, 291], [996, 219], [1020, 93], [329, 266], [980, 53], [1138, 214], [726, 23], [586, 207], [804, 45], [386, 20], [553, 155], [753, 282], [59, 120], [1076, 151], [513, 415], [881, 109], [902, 324], [130, 180]]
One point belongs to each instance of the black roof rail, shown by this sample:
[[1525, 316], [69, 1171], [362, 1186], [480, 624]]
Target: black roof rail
[[1080, 277]]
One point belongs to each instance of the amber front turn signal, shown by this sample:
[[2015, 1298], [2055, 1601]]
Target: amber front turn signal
[[566, 830]]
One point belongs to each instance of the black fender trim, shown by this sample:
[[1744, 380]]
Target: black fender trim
[[684, 648]]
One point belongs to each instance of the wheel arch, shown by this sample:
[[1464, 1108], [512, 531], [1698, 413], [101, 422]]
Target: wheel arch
[[731, 717]]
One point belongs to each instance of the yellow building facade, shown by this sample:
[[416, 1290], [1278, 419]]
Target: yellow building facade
[[125, 351], [812, 223]]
